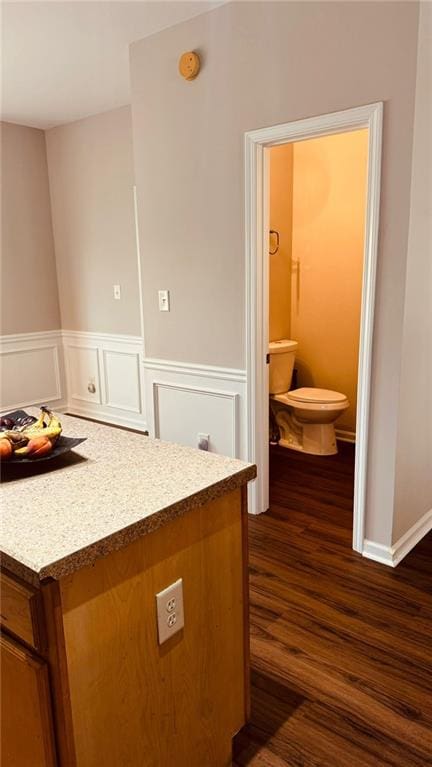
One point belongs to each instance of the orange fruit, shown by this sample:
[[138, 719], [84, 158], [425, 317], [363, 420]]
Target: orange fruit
[[5, 449]]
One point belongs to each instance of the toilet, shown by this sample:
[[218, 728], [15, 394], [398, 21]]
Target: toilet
[[305, 416]]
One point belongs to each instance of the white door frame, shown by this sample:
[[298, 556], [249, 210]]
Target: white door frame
[[257, 281]]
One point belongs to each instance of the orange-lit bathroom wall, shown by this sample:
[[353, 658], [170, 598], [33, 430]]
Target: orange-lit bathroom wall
[[281, 189], [317, 202], [329, 199]]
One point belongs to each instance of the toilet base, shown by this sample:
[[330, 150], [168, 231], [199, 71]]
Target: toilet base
[[315, 439]]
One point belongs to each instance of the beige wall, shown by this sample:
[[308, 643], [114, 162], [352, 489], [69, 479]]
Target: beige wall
[[281, 187], [29, 296], [413, 492], [266, 63], [329, 201], [91, 182]]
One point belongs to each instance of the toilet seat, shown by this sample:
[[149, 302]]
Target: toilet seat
[[309, 398], [323, 396]]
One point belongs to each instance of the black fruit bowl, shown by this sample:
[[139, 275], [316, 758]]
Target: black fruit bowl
[[62, 446]]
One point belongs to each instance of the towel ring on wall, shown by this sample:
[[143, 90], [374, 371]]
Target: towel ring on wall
[[273, 252]]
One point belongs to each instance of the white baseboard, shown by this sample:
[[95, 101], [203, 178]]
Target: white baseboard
[[406, 542], [99, 414], [378, 553], [344, 435], [392, 555]]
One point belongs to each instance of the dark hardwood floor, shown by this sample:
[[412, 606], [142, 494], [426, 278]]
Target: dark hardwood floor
[[341, 647]]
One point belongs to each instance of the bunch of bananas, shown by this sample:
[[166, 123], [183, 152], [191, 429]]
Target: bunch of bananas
[[32, 440]]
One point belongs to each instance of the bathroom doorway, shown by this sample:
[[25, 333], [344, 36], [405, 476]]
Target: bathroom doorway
[[288, 262]]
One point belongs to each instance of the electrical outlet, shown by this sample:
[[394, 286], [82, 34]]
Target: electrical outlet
[[171, 604], [203, 441], [169, 608]]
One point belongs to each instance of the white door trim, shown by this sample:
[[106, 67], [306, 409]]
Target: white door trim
[[256, 217]]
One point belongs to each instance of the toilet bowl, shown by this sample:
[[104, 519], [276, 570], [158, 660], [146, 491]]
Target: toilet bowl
[[306, 419], [305, 416]]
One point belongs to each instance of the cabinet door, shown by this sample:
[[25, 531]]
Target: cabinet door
[[26, 722], [21, 611]]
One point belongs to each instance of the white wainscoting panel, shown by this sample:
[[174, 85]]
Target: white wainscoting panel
[[82, 367], [122, 380], [32, 370], [183, 412], [184, 400], [113, 365]]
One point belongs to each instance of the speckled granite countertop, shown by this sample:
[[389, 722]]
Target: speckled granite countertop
[[113, 488]]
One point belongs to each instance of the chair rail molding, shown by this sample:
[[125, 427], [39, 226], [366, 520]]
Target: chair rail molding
[[207, 371]]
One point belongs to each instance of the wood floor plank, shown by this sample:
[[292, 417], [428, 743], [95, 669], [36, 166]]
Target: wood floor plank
[[317, 680], [412, 651], [311, 734], [341, 647], [365, 668]]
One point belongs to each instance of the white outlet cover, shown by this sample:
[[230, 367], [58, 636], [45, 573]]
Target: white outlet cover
[[169, 610], [203, 441]]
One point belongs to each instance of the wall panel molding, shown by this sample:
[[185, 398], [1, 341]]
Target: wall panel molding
[[175, 400], [56, 368], [112, 365], [192, 397], [114, 395], [32, 370], [82, 369], [187, 399]]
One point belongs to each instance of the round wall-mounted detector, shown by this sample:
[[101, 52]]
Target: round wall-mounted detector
[[189, 65]]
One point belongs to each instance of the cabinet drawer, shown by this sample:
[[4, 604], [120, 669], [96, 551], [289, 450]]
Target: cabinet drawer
[[21, 610]]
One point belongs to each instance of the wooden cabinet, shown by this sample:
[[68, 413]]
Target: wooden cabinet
[[27, 732], [21, 611], [88, 662]]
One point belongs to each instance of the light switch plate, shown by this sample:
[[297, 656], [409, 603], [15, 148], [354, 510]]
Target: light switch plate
[[164, 300], [170, 613], [117, 292]]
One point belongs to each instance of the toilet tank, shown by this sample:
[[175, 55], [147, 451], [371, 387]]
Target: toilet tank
[[282, 356]]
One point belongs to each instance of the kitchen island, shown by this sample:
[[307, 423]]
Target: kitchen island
[[87, 543]]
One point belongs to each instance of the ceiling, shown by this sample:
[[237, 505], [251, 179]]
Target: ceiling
[[62, 61]]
